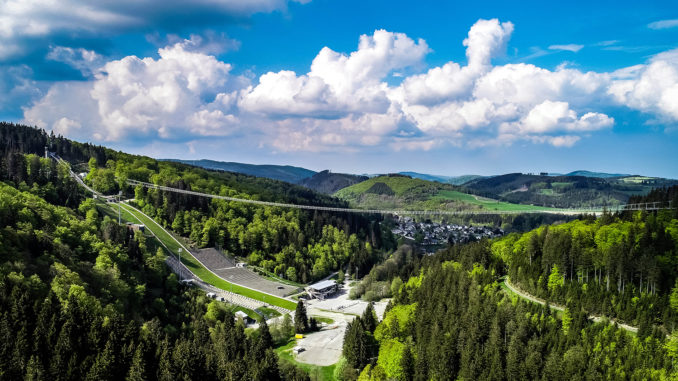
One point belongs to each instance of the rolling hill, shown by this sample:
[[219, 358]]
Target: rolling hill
[[566, 191], [328, 182], [286, 173], [601, 175], [403, 192], [455, 180]]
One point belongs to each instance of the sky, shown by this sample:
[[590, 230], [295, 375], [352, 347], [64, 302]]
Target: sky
[[353, 86]]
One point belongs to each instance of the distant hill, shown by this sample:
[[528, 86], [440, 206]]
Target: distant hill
[[601, 175], [397, 191], [455, 180], [566, 191], [461, 180], [286, 173], [328, 182]]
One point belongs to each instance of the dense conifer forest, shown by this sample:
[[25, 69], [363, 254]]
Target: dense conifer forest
[[451, 319], [295, 244], [82, 297]]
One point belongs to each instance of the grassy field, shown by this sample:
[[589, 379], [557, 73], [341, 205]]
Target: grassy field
[[484, 202], [399, 185], [417, 194], [269, 313], [317, 373], [199, 270], [323, 319]]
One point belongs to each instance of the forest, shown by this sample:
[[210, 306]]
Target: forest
[[450, 317], [624, 267], [82, 297], [299, 245], [452, 320]]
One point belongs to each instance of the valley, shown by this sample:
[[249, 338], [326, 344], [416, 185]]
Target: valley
[[228, 244]]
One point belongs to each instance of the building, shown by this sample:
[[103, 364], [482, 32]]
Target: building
[[323, 289], [240, 315], [136, 227]]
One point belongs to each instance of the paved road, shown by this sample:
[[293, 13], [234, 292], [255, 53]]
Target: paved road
[[595, 318]]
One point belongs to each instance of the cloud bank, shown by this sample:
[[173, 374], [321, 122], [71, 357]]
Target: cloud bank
[[349, 102], [27, 25]]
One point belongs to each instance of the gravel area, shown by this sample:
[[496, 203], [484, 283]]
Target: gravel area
[[214, 259], [249, 278], [224, 267]]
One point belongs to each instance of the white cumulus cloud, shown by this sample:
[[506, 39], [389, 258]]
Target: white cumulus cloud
[[338, 84], [348, 101], [651, 88], [163, 97]]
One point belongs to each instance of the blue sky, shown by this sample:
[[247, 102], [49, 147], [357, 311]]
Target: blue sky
[[354, 86]]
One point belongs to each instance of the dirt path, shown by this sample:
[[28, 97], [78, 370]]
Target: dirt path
[[594, 318]]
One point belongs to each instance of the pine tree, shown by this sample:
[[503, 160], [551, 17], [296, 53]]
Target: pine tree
[[313, 325], [287, 328], [265, 368], [102, 369], [35, 371], [407, 365], [355, 344], [165, 371], [6, 341], [300, 318], [369, 318], [137, 371], [553, 369], [265, 339]]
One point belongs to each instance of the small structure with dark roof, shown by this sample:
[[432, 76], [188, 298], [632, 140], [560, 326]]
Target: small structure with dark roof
[[240, 315]]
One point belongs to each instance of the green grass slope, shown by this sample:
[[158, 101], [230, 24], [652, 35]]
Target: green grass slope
[[328, 182], [197, 268], [285, 173], [402, 192], [566, 191]]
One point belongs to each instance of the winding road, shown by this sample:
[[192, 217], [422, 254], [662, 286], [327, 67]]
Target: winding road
[[534, 299]]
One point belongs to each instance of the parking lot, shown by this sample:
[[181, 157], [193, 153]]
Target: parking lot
[[324, 347]]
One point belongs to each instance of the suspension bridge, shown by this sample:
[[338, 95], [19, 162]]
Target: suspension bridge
[[647, 206]]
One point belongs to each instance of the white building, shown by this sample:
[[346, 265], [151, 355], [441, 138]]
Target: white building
[[322, 289]]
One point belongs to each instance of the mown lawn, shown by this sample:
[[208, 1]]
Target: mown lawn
[[199, 270], [485, 203]]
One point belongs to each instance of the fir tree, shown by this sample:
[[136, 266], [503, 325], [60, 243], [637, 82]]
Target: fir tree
[[300, 318], [407, 365], [369, 318], [137, 371]]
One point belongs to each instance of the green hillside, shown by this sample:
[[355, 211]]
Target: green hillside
[[566, 191], [285, 173], [403, 192], [327, 182]]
